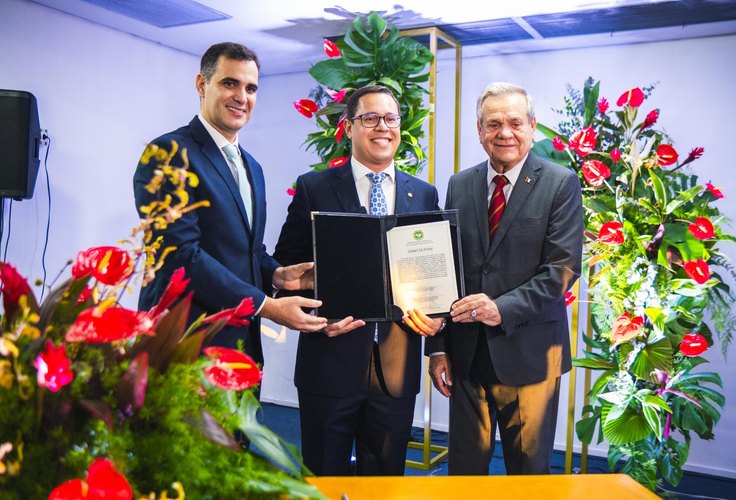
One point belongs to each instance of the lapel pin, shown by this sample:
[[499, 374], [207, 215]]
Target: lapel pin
[[410, 195], [528, 180]]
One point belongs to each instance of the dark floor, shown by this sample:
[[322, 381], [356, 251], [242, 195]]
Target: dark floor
[[284, 421]]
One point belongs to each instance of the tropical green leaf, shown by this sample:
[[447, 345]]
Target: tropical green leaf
[[655, 355], [592, 363], [629, 427]]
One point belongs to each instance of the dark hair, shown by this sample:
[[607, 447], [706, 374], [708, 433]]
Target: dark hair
[[353, 101], [230, 50]]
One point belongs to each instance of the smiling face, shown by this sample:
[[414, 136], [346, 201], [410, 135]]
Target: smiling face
[[505, 131], [374, 147], [228, 98]]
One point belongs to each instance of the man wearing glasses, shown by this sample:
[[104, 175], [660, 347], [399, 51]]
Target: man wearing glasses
[[357, 381]]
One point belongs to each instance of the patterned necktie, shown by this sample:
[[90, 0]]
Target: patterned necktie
[[235, 162], [495, 209], [377, 201]]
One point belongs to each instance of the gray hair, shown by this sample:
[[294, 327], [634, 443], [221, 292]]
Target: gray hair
[[497, 89]]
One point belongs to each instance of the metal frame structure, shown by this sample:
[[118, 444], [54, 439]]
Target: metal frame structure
[[437, 40]]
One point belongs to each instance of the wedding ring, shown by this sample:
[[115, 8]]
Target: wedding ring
[[473, 314]]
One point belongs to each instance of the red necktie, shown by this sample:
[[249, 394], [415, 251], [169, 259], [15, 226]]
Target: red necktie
[[495, 209]]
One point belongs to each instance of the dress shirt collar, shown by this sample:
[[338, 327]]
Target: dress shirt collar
[[512, 175], [360, 170], [219, 139]]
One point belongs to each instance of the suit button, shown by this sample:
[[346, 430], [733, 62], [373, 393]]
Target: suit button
[[486, 270]]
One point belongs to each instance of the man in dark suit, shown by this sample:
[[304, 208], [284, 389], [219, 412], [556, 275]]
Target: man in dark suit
[[221, 246], [357, 381], [501, 358]]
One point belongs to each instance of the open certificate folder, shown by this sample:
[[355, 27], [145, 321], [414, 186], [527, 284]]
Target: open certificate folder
[[376, 267]]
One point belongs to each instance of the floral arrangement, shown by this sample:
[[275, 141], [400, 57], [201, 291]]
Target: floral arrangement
[[652, 260], [370, 53], [100, 401]]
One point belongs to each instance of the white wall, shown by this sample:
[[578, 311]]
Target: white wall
[[103, 94]]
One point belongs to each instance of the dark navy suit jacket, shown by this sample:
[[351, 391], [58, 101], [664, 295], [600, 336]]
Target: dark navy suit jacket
[[338, 366], [225, 259]]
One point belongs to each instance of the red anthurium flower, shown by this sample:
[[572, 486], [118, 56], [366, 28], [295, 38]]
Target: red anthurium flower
[[177, 285], [233, 370], [595, 172], [612, 233], [633, 97], [237, 316], [693, 344], [340, 130], [558, 144], [603, 105], [290, 191], [583, 141], [339, 96], [625, 328], [697, 270], [307, 107], [53, 367], [651, 119], [615, 154], [108, 265], [702, 228], [13, 287], [86, 293], [103, 482], [666, 155], [338, 162], [714, 190], [109, 324], [569, 298], [331, 49]]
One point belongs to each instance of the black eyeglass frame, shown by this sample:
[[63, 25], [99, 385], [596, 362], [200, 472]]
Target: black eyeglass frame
[[379, 118]]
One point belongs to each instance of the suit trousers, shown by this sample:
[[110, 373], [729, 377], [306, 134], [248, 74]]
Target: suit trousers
[[378, 424], [526, 417]]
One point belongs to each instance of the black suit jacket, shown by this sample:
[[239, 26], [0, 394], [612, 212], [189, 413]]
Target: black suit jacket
[[338, 366], [224, 257], [534, 259]]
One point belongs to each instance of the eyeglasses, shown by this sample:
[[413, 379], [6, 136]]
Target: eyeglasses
[[370, 120]]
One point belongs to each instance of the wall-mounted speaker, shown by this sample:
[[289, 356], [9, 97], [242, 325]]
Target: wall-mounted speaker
[[20, 143]]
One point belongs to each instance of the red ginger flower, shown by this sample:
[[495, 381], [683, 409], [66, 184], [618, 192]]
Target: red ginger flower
[[697, 270], [693, 344], [666, 155], [107, 324], [583, 141], [615, 154], [558, 144], [13, 287], [233, 370], [651, 119], [702, 228], [612, 233], [338, 162], [595, 172], [108, 265], [603, 105], [177, 285], [633, 97], [569, 298], [714, 190], [53, 367], [103, 482], [236, 316], [695, 153], [331, 48], [306, 107], [625, 328]]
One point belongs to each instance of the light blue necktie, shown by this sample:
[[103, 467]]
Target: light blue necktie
[[377, 206], [376, 199], [241, 178]]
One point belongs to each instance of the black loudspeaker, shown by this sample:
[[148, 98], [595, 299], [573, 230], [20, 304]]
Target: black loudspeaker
[[20, 142]]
